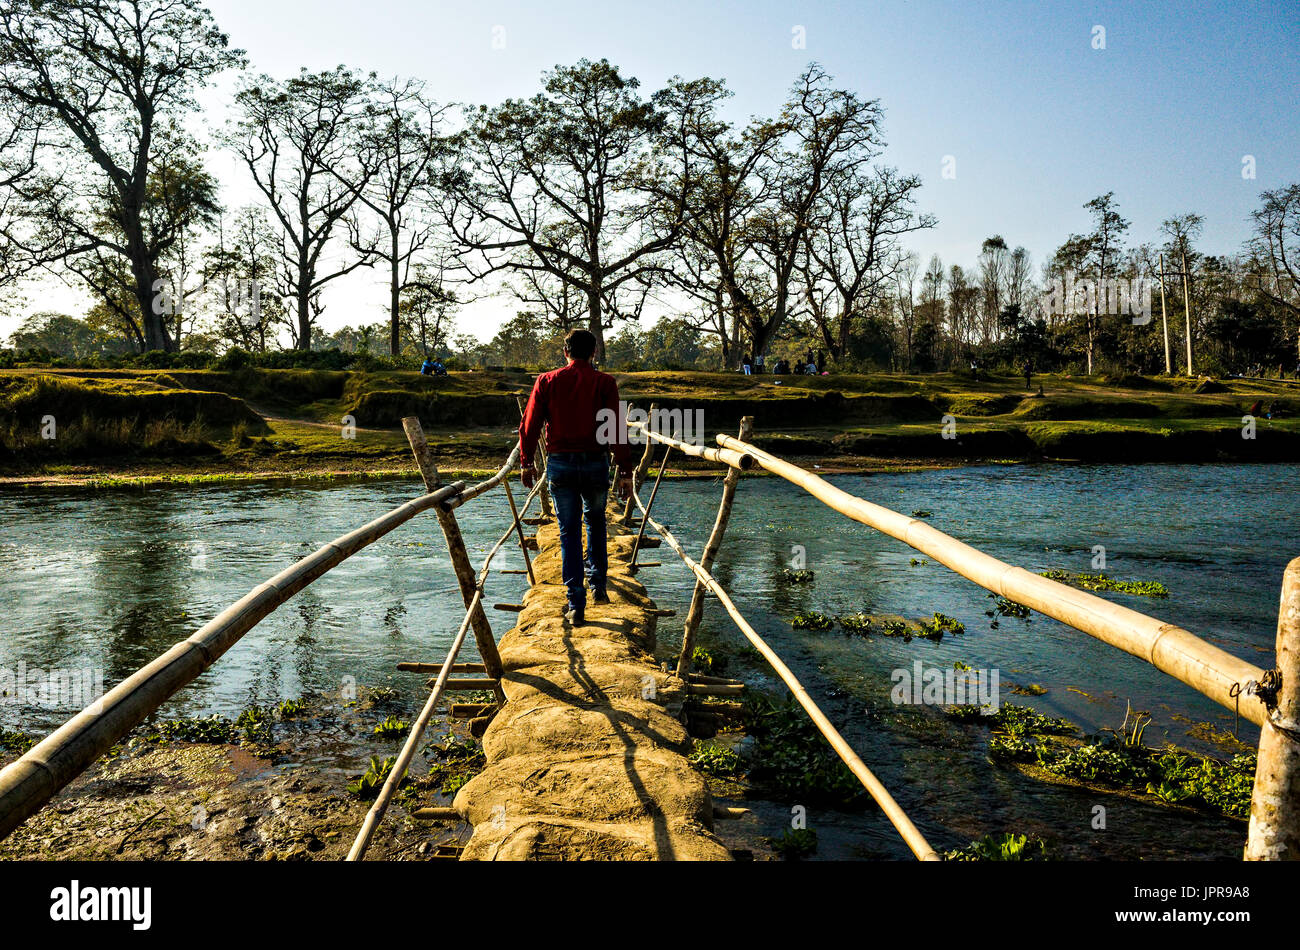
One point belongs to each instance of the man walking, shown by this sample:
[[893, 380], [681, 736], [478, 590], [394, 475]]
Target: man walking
[[570, 402]]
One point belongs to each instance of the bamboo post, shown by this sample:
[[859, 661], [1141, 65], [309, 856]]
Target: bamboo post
[[1187, 311], [643, 467], [645, 515], [547, 510], [523, 545], [1164, 317], [483, 638], [1274, 831], [696, 612]]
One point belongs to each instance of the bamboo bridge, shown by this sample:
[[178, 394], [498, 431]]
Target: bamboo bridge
[[586, 739]]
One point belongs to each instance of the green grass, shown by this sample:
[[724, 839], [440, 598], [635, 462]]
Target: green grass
[[209, 421]]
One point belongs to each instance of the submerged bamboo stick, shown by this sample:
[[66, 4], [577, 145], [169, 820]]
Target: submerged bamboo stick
[[523, 546], [696, 612], [398, 771], [29, 782], [897, 817], [642, 469], [1171, 649]]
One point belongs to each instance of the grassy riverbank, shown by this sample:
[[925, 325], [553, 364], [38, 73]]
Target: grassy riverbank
[[106, 427]]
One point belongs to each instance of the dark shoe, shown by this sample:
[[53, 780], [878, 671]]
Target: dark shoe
[[600, 597], [576, 616]]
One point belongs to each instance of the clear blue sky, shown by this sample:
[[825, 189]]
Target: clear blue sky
[[1037, 120]]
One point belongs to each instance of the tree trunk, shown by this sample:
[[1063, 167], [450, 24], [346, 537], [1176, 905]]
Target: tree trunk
[[594, 322], [395, 293]]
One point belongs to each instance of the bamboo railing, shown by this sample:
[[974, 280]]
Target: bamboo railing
[[1274, 830], [34, 778]]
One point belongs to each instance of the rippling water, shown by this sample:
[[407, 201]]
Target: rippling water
[[110, 580]]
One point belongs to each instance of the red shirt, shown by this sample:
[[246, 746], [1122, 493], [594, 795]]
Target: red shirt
[[568, 401]]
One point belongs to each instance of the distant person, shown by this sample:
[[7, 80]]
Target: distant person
[[427, 368], [798, 368], [758, 365], [1255, 409], [570, 403], [1029, 374], [821, 361], [811, 369], [811, 358], [439, 369], [747, 365]]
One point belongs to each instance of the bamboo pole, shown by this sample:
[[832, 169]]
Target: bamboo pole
[[636, 545], [643, 467], [1274, 831], [897, 817], [1171, 649], [523, 545], [547, 511], [398, 771], [711, 548], [1164, 317], [29, 782], [483, 637], [728, 457], [396, 774], [1187, 310]]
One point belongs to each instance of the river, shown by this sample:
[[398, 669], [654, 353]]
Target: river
[[108, 580]]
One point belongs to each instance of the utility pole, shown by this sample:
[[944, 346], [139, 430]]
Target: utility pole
[[1187, 310], [1164, 317]]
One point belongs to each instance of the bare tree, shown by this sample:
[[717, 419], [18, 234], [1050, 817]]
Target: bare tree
[[105, 74], [400, 149], [300, 140], [1276, 243], [852, 251], [577, 182]]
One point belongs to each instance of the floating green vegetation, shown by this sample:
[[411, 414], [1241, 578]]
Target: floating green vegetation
[[392, 728], [383, 695], [1102, 582], [214, 728], [1010, 718], [1033, 689], [455, 783], [922, 513], [706, 662], [793, 760], [15, 741], [895, 628], [368, 784], [858, 623], [1118, 760], [812, 621], [1008, 608], [795, 844], [715, 758], [453, 748], [1004, 847], [254, 725], [796, 577], [291, 708], [918, 562], [938, 625]]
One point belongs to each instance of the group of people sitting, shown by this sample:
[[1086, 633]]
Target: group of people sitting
[[433, 367], [753, 366]]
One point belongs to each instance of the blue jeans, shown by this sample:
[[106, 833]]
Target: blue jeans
[[579, 485]]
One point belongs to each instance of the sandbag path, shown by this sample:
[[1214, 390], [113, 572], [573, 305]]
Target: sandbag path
[[586, 760]]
